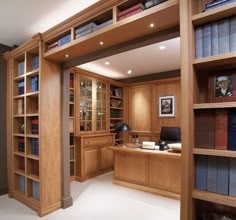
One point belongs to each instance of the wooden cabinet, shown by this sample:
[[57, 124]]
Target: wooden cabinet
[[91, 104], [92, 156], [197, 71], [34, 147]]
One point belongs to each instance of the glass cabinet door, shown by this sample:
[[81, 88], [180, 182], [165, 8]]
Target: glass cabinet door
[[101, 111], [86, 116]]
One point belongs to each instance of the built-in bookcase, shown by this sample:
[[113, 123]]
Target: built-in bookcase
[[34, 146], [211, 157]]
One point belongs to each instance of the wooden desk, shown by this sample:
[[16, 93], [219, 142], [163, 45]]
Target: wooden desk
[[152, 171]]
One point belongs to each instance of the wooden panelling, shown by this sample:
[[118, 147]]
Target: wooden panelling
[[131, 168], [91, 161], [107, 159]]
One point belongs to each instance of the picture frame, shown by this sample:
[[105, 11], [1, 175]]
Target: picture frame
[[118, 92], [222, 87], [166, 106]]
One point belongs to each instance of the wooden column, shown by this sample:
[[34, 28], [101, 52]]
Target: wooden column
[[66, 195]]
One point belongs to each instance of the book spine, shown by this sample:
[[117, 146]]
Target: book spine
[[53, 45], [129, 14], [214, 38], [216, 4], [21, 68], [21, 144], [21, 87], [64, 40], [81, 34], [223, 36], [221, 129], [211, 174], [223, 175], [20, 106], [232, 129], [232, 34], [34, 125], [131, 9], [35, 62], [201, 172], [85, 27], [232, 177], [198, 42], [206, 33]]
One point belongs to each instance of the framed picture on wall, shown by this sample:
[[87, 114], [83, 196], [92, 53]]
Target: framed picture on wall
[[166, 106]]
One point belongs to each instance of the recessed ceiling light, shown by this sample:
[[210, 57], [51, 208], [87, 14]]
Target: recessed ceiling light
[[151, 25], [129, 71], [101, 42], [66, 55], [162, 47], [107, 63]]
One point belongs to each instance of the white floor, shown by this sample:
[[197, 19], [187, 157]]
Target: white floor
[[99, 199]]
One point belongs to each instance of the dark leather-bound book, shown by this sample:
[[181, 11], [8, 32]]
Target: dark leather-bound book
[[221, 129], [205, 129], [232, 129]]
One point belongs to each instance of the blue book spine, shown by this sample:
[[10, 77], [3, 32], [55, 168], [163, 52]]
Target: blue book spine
[[232, 129], [64, 40], [81, 34], [232, 34], [201, 172], [206, 33], [85, 27], [21, 85], [35, 63], [223, 35], [21, 68], [216, 4], [211, 174], [198, 42], [223, 175], [232, 177], [214, 38]]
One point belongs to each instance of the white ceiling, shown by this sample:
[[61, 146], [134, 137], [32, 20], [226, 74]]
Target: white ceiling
[[20, 20]]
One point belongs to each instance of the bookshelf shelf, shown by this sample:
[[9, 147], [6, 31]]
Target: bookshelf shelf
[[214, 14], [32, 156], [214, 105], [32, 94], [33, 177], [214, 152], [18, 153], [214, 198], [33, 73], [20, 172]]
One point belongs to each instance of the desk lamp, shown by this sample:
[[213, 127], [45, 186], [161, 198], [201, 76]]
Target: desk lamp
[[121, 127]]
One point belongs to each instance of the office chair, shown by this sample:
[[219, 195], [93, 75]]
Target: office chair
[[169, 135]]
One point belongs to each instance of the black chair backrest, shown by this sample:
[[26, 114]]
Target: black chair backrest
[[170, 135]]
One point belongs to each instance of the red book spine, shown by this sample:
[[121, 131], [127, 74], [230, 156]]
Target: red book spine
[[129, 14], [131, 9], [221, 129]]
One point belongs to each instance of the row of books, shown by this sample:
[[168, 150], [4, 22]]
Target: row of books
[[71, 81], [21, 183], [34, 84], [72, 153], [216, 4], [21, 163], [35, 190], [35, 167], [215, 129], [35, 62], [21, 87], [71, 96], [151, 3], [215, 38], [71, 138], [90, 27], [21, 144], [35, 146], [21, 68], [34, 125], [215, 174], [63, 40]]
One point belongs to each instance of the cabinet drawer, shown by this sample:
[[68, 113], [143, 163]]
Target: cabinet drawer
[[96, 141]]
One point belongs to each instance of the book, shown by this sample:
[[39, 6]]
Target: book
[[201, 172], [34, 84], [223, 27], [232, 34], [35, 190], [35, 146], [21, 68], [34, 125], [20, 106], [21, 183], [102, 25], [21, 87], [205, 129], [21, 144], [149, 4], [215, 4], [232, 177], [232, 129], [52, 45], [35, 62], [129, 14], [64, 40], [198, 42], [21, 163], [211, 174], [214, 39], [90, 25], [206, 39], [130, 9], [221, 129], [222, 175], [81, 34]]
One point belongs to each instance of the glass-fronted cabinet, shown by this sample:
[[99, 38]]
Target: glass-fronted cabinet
[[92, 105]]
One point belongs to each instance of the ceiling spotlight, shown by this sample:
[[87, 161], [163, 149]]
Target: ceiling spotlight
[[152, 25], [107, 63], [66, 55], [162, 47], [129, 71], [101, 43]]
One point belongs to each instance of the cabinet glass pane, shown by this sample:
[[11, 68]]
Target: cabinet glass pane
[[100, 106], [85, 104]]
